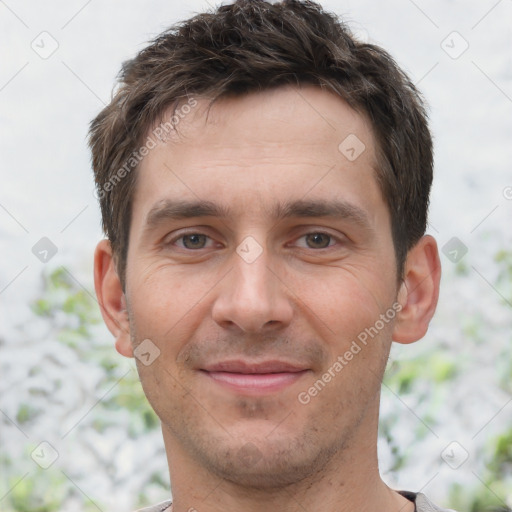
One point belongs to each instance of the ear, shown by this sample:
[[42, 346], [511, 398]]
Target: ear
[[419, 291], [111, 297]]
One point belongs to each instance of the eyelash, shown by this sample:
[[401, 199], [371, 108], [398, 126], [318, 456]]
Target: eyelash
[[324, 233]]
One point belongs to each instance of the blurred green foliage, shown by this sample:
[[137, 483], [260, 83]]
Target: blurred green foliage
[[72, 313], [407, 376]]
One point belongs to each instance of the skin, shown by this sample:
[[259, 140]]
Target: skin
[[303, 300]]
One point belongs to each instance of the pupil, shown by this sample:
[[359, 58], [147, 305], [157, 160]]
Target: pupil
[[319, 240], [193, 241]]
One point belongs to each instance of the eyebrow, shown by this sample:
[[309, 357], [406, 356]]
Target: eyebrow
[[314, 208], [167, 210], [179, 210]]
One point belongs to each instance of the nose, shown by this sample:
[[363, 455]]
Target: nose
[[252, 298]]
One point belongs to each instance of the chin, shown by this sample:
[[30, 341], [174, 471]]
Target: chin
[[269, 465]]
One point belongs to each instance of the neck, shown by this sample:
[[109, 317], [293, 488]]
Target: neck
[[349, 481]]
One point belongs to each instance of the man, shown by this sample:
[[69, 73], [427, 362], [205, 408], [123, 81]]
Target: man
[[264, 182]]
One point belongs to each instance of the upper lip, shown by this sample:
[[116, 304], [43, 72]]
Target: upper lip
[[239, 366]]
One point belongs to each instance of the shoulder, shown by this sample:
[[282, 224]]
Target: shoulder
[[423, 504], [160, 507]]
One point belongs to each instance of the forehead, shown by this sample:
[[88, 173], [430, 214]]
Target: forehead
[[273, 116], [272, 143]]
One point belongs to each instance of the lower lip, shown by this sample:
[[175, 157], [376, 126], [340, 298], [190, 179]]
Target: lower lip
[[256, 382]]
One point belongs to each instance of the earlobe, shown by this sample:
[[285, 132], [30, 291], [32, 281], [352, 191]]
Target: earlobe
[[111, 298], [419, 291]]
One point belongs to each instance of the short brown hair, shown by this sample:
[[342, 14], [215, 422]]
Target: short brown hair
[[253, 45]]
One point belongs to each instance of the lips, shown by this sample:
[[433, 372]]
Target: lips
[[254, 377], [263, 367]]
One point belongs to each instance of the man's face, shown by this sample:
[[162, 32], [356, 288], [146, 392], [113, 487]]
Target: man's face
[[259, 251]]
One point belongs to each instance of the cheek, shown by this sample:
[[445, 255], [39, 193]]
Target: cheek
[[344, 301], [169, 304]]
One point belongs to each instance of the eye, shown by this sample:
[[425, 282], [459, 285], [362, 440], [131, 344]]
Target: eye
[[316, 240], [193, 241]]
